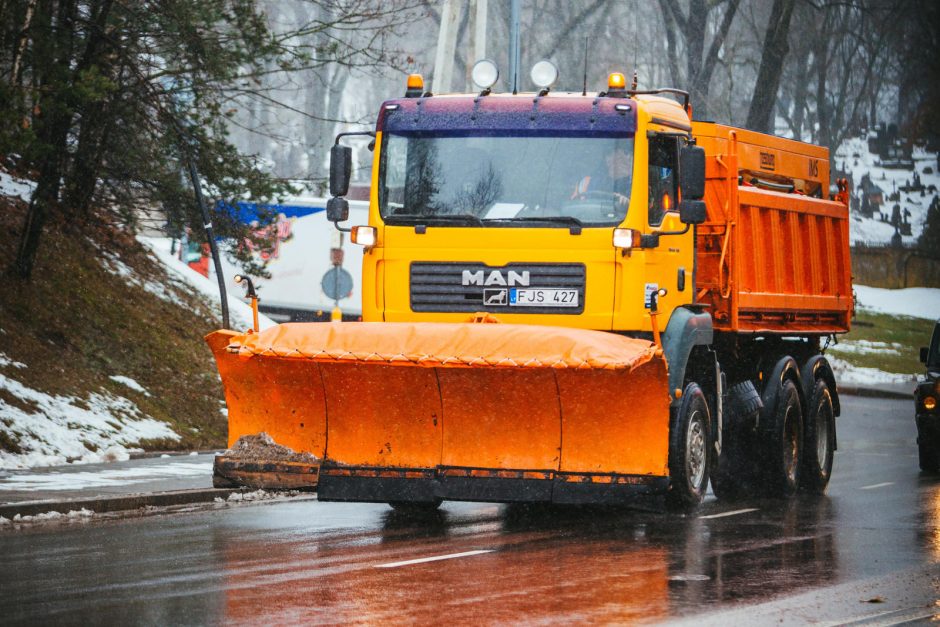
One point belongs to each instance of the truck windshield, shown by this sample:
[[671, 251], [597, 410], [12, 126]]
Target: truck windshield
[[505, 181]]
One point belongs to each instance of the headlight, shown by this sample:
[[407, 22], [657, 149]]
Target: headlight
[[626, 238]]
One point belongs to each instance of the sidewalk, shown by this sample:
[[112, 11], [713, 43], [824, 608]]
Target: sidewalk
[[151, 481], [899, 391]]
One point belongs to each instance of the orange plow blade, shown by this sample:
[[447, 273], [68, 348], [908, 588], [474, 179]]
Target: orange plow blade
[[419, 412]]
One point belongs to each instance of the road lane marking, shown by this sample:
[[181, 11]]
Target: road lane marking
[[731, 513], [883, 619], [876, 485], [436, 558]]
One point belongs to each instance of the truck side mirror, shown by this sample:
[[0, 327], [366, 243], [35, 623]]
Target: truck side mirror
[[692, 211], [340, 169], [337, 209], [923, 354], [692, 172]]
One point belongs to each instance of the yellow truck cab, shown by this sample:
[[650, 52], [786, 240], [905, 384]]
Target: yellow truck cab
[[506, 205]]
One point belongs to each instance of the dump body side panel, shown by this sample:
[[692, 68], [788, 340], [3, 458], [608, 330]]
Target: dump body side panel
[[771, 261]]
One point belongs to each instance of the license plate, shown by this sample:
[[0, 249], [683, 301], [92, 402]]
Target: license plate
[[542, 297]]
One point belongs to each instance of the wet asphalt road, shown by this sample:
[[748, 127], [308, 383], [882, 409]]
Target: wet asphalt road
[[868, 552]]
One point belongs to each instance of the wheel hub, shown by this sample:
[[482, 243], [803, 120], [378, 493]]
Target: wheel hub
[[695, 447]]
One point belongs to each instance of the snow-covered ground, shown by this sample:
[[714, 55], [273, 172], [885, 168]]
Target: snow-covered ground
[[102, 478], [54, 430], [18, 188], [916, 302], [849, 374], [853, 157]]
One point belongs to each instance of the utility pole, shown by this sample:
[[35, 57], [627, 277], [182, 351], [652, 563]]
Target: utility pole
[[478, 10], [446, 47]]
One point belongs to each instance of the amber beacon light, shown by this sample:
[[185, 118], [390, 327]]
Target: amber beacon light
[[415, 86]]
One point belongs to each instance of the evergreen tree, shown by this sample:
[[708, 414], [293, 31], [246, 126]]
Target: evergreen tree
[[107, 101], [929, 240]]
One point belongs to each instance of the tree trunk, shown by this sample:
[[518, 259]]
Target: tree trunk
[[53, 133], [760, 115], [95, 123]]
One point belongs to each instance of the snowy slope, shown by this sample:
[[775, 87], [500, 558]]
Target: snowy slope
[[59, 429], [54, 430], [853, 157]]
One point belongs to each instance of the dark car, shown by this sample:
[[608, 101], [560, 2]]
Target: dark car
[[927, 398]]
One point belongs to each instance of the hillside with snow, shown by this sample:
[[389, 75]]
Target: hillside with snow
[[102, 354], [854, 158]]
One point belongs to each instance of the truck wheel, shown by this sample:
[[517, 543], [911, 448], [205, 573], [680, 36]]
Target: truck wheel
[[819, 440], [928, 456], [733, 476], [689, 446], [783, 441]]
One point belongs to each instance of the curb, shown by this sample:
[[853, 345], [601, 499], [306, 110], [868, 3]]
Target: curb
[[103, 504], [876, 393]]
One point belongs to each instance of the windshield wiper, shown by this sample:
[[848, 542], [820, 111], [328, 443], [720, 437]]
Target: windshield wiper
[[464, 218], [562, 219]]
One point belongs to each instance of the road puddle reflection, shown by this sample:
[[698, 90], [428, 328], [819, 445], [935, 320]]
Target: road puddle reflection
[[546, 564]]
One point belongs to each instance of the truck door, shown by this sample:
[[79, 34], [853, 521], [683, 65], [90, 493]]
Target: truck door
[[670, 264]]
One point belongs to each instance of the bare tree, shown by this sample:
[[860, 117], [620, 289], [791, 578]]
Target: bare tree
[[760, 115], [693, 26]]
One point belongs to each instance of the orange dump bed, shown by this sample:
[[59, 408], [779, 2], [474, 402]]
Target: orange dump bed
[[771, 261]]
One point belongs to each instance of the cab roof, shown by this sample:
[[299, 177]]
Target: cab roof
[[556, 114]]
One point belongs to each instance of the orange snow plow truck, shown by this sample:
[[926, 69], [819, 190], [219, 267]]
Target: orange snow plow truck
[[566, 298]]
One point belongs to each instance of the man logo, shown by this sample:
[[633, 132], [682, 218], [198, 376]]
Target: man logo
[[495, 277], [492, 298]]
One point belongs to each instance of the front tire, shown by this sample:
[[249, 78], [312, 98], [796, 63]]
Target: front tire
[[819, 443], [689, 450]]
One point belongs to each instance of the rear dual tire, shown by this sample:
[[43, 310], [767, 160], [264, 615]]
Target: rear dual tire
[[782, 427], [734, 476], [820, 439]]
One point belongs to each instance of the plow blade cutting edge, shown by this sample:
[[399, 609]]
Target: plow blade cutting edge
[[419, 412]]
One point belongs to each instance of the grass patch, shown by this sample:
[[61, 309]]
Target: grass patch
[[76, 323], [886, 342], [13, 400], [9, 443]]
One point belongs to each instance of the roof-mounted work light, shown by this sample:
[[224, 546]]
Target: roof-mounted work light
[[544, 74], [484, 74], [415, 86]]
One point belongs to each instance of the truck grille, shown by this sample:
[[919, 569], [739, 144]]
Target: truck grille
[[461, 287]]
